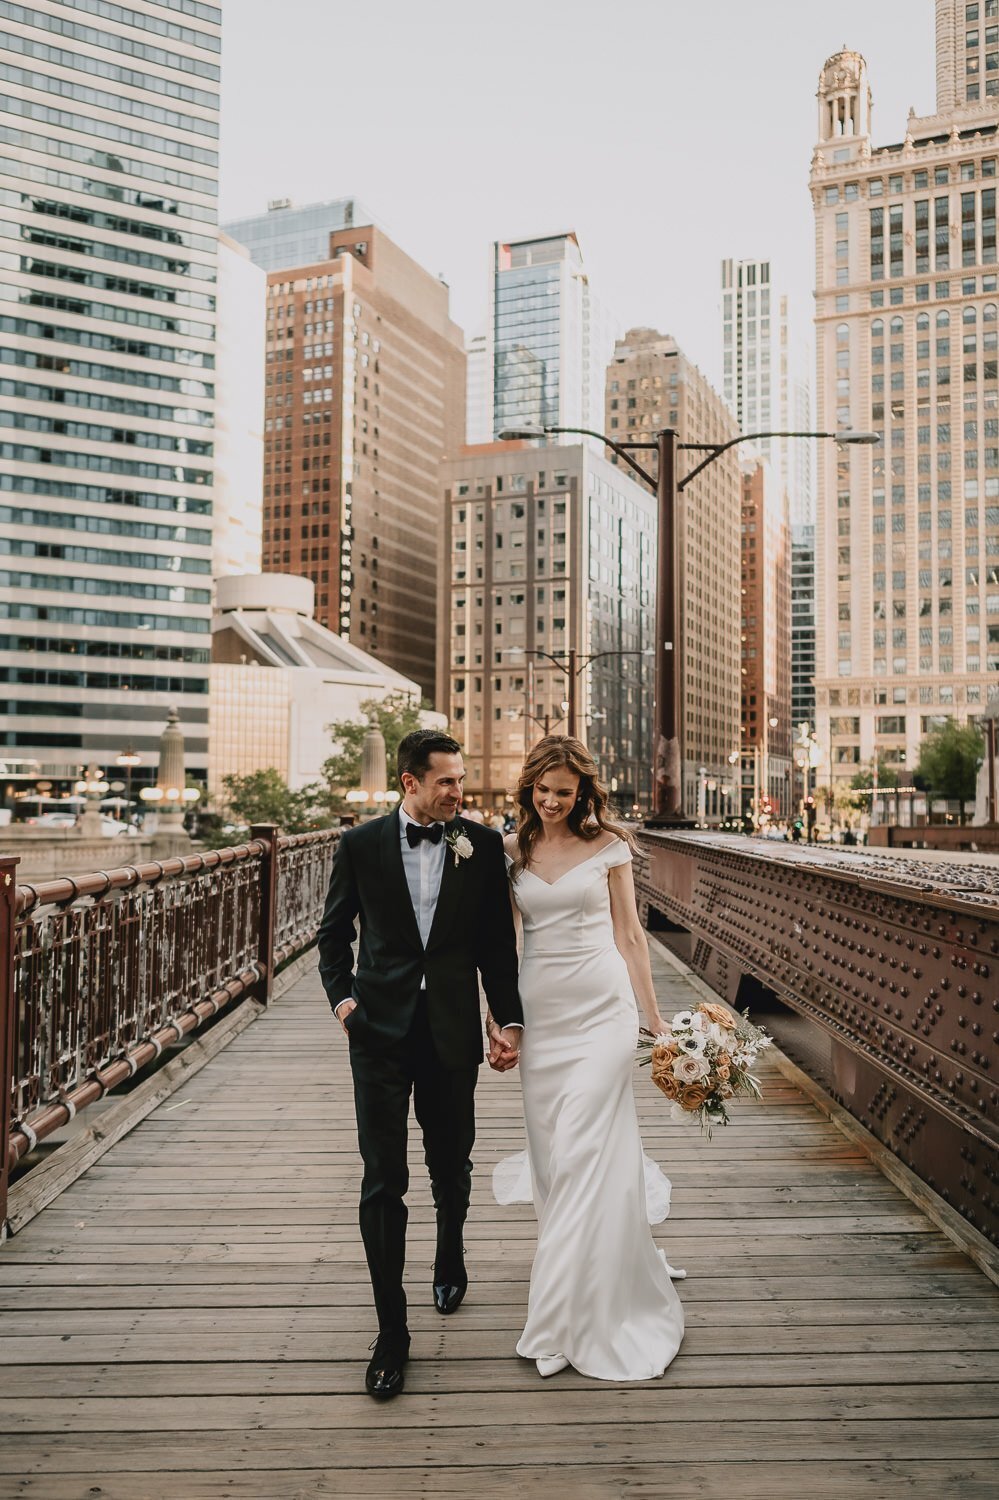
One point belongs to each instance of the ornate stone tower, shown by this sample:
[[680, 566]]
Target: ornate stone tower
[[844, 99]]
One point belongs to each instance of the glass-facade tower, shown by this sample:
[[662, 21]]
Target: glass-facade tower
[[108, 133], [287, 236], [549, 341]]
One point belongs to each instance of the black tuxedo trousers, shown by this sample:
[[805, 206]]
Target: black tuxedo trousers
[[409, 1041], [444, 1102]]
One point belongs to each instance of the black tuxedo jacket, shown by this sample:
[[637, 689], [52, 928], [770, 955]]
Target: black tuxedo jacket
[[472, 934]]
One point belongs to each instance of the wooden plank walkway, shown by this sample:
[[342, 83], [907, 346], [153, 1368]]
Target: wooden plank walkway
[[190, 1320]]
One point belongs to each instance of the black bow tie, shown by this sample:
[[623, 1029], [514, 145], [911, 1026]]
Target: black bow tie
[[415, 832]]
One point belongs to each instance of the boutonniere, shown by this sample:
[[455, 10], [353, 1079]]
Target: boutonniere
[[459, 843]]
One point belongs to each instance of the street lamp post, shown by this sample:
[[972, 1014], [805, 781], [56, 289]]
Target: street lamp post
[[667, 775], [992, 812], [128, 758], [573, 666]]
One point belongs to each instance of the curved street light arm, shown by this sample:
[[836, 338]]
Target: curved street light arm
[[599, 654], [717, 449], [615, 448]]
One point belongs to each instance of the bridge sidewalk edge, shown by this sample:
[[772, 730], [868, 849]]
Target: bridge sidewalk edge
[[42, 1184], [973, 1244]]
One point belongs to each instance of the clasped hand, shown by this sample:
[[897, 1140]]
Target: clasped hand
[[504, 1046]]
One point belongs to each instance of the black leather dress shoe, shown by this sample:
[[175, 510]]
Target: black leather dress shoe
[[448, 1297], [384, 1377]]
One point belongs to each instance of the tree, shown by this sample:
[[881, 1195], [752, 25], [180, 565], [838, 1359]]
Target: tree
[[837, 799], [949, 758], [887, 778], [396, 715], [265, 797]]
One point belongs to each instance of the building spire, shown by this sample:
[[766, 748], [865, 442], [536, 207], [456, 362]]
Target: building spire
[[844, 97]]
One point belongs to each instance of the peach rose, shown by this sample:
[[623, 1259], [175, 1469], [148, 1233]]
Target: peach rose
[[720, 1014], [693, 1096], [662, 1071], [722, 1071]]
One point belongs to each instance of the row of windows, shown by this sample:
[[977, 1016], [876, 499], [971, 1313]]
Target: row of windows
[[124, 255], [104, 557], [93, 432], [103, 281], [96, 218], [104, 99], [66, 584], [101, 463], [145, 22], [88, 125], [105, 619], [110, 161], [111, 344], [942, 177], [148, 650], [969, 314], [101, 681], [92, 494], [989, 371], [81, 62], [210, 13], [60, 364], [147, 531], [113, 192], [971, 203], [95, 401], [136, 317], [111, 41]]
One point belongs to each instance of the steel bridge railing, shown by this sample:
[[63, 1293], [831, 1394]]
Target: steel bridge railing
[[100, 973], [897, 960]]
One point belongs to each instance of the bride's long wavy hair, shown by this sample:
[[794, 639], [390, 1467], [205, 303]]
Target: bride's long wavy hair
[[588, 818]]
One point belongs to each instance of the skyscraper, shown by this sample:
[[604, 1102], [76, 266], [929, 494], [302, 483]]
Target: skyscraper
[[651, 384], [907, 312], [107, 310], [803, 627], [365, 391], [549, 339], [546, 549], [766, 642], [764, 380], [239, 413], [478, 415]]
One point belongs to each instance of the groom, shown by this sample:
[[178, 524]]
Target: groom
[[432, 896]]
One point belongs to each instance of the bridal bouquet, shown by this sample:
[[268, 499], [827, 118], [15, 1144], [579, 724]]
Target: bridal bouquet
[[705, 1057]]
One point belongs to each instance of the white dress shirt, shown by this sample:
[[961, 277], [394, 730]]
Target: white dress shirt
[[423, 864]]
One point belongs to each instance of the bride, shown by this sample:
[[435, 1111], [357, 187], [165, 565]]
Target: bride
[[600, 1298]]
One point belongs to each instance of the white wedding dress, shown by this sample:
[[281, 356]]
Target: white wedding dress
[[600, 1293]]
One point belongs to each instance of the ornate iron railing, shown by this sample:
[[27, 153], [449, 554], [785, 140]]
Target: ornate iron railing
[[896, 959], [304, 862], [100, 973]]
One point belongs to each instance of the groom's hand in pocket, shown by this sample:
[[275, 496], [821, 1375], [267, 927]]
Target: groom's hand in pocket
[[343, 1010]]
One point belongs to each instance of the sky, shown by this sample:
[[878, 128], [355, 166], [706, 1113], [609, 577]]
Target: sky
[[668, 134]]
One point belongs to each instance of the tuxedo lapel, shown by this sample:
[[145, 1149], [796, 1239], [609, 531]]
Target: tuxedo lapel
[[395, 886], [449, 895]]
